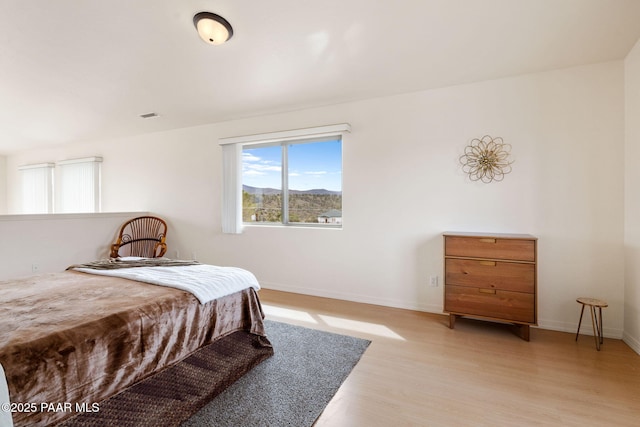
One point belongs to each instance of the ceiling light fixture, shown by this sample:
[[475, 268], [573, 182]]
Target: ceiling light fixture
[[212, 28]]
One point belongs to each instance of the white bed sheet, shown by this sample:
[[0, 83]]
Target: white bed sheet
[[206, 282]]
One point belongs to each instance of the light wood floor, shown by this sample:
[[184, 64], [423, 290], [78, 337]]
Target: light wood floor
[[418, 372]]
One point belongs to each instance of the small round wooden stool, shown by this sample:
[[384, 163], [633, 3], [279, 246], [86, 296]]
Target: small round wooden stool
[[596, 317]]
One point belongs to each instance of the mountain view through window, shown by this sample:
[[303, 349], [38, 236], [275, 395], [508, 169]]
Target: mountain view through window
[[293, 183]]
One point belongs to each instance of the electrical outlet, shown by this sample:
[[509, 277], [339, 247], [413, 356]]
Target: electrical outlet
[[35, 268], [433, 281]]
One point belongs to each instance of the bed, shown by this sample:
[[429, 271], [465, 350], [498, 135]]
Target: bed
[[87, 333]]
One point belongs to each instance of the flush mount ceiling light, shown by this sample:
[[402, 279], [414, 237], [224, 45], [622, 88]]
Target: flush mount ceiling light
[[212, 28]]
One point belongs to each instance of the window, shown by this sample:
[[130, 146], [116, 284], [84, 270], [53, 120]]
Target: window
[[79, 185], [37, 188], [288, 178], [296, 182]]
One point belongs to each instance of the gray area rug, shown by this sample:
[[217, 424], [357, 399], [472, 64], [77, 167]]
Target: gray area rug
[[292, 387]]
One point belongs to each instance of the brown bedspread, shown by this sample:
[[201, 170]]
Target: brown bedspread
[[72, 337]]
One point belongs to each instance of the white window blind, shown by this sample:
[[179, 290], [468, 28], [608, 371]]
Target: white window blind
[[79, 185], [232, 188], [37, 188], [232, 165]]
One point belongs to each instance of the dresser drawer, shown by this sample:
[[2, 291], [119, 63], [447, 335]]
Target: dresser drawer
[[508, 276], [496, 304], [490, 247]]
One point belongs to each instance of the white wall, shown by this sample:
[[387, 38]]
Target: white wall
[[33, 244], [3, 186], [403, 187], [632, 200]]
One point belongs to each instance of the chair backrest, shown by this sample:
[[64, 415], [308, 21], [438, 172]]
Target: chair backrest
[[143, 236]]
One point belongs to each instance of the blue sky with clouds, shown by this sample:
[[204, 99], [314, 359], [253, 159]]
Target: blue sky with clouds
[[311, 166]]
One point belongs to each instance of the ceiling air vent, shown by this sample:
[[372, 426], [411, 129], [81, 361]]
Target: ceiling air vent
[[148, 115]]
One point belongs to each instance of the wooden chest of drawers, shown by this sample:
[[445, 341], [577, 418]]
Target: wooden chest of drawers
[[492, 277]]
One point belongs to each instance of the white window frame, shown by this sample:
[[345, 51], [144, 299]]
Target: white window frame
[[37, 188], [232, 165], [79, 185]]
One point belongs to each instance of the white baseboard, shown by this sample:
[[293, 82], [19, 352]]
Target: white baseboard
[[632, 342], [347, 296], [586, 328]]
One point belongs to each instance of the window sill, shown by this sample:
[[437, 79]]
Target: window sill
[[296, 225]]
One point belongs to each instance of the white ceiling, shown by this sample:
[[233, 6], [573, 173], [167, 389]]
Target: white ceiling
[[82, 70]]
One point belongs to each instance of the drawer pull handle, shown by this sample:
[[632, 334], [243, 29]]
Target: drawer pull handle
[[488, 263], [488, 240], [487, 291]]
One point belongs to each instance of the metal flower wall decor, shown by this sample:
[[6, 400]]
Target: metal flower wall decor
[[486, 159]]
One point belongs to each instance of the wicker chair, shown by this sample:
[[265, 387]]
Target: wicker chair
[[143, 236]]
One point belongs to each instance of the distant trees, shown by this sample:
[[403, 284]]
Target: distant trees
[[303, 207]]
